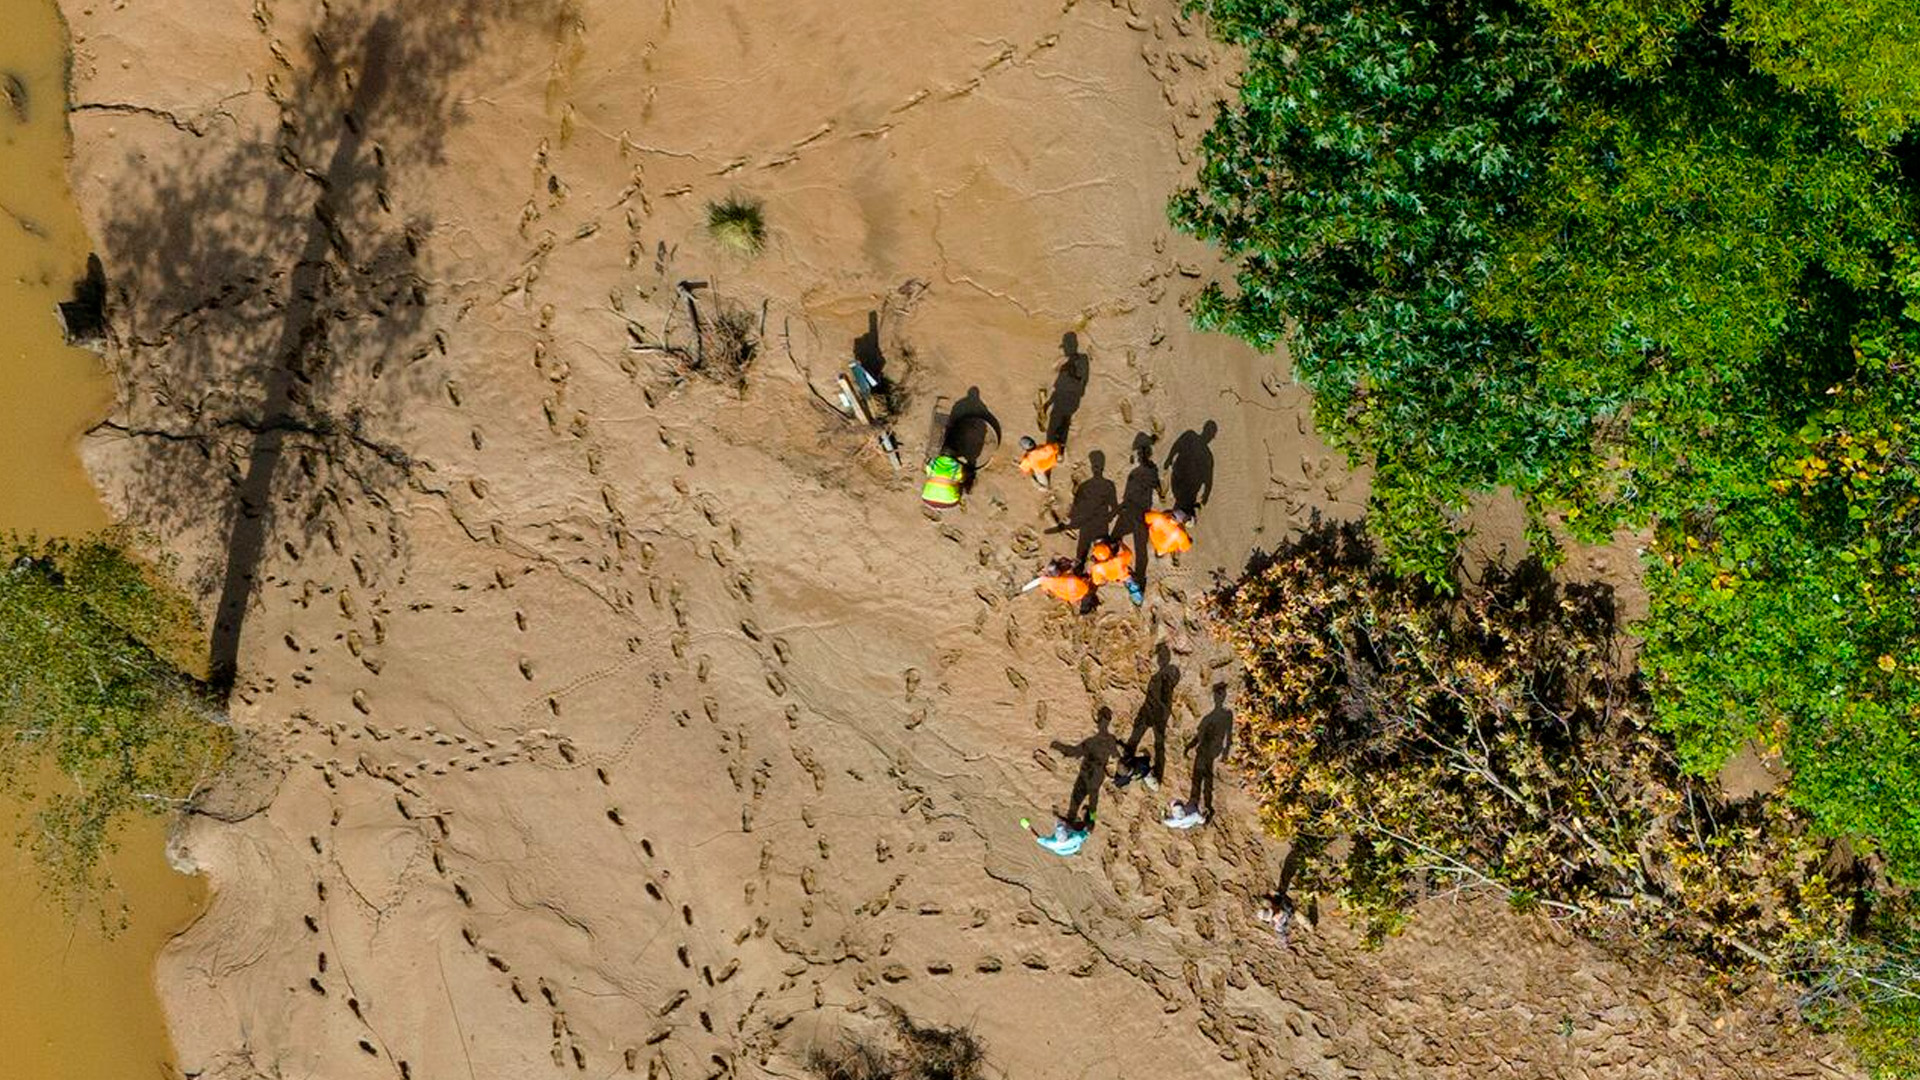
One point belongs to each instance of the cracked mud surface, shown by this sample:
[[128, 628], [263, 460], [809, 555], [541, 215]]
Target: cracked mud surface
[[605, 721]]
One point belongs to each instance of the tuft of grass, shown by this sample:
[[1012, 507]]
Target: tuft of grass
[[738, 223]]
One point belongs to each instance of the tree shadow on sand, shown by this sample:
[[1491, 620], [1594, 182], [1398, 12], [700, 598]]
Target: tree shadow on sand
[[270, 306]]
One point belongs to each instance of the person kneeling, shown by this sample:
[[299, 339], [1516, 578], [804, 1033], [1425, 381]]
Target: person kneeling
[[1110, 562]]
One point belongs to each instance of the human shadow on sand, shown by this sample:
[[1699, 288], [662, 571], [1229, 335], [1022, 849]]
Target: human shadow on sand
[[1209, 744], [1136, 498], [1095, 503], [1190, 467], [1095, 752], [1156, 709], [1069, 388]]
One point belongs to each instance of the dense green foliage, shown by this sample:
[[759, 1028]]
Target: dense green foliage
[[1650, 263], [1858, 53], [1415, 745], [1361, 176], [96, 722], [1788, 618], [1655, 265]]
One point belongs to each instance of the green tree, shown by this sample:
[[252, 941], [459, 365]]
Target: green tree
[[1652, 300], [1647, 262], [96, 722], [1862, 55], [1790, 618], [1687, 263], [1865, 54], [1360, 178]]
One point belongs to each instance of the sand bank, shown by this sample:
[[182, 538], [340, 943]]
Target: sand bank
[[606, 720]]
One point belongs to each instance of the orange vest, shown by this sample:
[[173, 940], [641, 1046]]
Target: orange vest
[[1167, 535], [1069, 588], [1040, 460], [1109, 564]]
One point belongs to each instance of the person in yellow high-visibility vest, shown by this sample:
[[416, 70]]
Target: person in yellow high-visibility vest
[[946, 476]]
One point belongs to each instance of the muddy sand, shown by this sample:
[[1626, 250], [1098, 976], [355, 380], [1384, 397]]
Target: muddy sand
[[607, 720]]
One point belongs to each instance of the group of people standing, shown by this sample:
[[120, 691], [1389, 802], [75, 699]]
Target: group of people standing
[[1105, 556], [1103, 521], [1133, 762], [1109, 559]]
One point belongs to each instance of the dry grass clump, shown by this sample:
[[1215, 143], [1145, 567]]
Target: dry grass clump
[[738, 224], [729, 341], [928, 1052]]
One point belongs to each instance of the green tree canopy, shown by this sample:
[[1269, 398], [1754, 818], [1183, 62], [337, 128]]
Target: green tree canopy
[[1521, 245], [1688, 263], [1361, 177], [1790, 617], [1648, 262], [1862, 55]]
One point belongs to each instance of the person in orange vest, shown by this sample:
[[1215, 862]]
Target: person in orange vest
[[1111, 561], [1062, 582], [1038, 459], [1167, 531]]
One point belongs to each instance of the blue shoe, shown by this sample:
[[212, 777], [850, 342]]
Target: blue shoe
[[1134, 592]]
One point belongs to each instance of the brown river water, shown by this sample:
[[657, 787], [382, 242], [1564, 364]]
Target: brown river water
[[75, 1004]]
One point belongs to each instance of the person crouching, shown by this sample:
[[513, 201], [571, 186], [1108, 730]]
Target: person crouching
[[1110, 562], [946, 477]]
